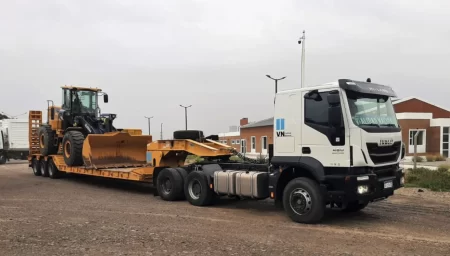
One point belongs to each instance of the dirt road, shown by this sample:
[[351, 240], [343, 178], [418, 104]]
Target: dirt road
[[87, 216]]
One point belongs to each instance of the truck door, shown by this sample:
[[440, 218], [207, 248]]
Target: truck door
[[322, 138]]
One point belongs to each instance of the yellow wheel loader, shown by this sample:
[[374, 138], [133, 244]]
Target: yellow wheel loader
[[83, 136]]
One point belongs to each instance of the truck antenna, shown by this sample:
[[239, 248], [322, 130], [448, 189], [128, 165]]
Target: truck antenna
[[368, 80]]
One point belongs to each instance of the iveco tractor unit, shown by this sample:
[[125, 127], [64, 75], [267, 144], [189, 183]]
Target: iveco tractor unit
[[334, 145]]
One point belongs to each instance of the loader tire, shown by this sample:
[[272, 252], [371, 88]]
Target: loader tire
[[169, 184], [47, 141], [188, 135], [73, 148]]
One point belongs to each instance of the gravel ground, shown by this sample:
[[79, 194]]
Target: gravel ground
[[80, 215]]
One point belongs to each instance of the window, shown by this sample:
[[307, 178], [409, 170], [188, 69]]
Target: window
[[243, 146], [419, 137], [316, 110], [445, 141], [253, 142], [264, 142]]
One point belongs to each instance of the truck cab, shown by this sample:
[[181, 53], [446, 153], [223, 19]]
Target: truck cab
[[342, 136]]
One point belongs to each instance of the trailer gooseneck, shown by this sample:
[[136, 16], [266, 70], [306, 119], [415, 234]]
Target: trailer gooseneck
[[338, 145]]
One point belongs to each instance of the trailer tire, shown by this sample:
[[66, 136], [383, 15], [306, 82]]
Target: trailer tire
[[36, 166], [183, 173], [44, 167], [354, 206], [188, 135], [169, 184], [196, 189], [73, 148], [53, 171], [47, 141], [309, 207]]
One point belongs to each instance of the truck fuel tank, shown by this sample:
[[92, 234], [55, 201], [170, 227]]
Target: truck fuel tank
[[242, 183]]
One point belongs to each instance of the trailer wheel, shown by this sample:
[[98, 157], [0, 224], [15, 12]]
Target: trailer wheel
[[197, 190], [47, 141], [36, 166], [73, 148], [354, 206], [303, 201], [53, 171], [169, 184], [183, 173], [44, 167]]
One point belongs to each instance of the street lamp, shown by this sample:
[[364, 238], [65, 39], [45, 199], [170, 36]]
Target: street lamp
[[148, 118], [276, 82], [185, 113]]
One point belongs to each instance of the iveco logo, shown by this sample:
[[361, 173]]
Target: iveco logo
[[386, 142]]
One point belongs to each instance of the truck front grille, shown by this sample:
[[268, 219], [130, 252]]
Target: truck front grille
[[384, 154]]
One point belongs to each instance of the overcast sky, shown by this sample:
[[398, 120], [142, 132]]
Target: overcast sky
[[150, 56]]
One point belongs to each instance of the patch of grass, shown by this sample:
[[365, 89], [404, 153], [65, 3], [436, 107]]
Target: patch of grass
[[194, 159], [443, 168], [418, 159], [426, 178], [440, 158], [430, 158]]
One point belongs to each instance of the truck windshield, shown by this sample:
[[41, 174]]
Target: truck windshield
[[371, 110], [84, 101]]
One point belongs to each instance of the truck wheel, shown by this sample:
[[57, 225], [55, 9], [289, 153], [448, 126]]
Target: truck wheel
[[44, 167], [73, 148], [53, 171], [183, 173], [197, 190], [354, 206], [169, 184], [47, 141], [303, 201], [36, 166], [2, 159]]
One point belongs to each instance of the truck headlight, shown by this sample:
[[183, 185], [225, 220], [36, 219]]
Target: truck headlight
[[363, 189]]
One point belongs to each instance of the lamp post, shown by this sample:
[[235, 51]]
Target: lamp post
[[161, 131], [276, 82], [300, 41], [148, 118], [185, 113]]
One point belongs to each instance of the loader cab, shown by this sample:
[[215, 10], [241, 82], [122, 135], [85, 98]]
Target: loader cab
[[79, 101]]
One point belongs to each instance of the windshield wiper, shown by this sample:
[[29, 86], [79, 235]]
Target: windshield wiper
[[389, 125], [372, 124]]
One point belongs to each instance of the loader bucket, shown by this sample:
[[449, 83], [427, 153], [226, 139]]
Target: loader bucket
[[115, 150]]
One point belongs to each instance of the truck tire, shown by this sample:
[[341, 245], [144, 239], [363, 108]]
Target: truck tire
[[169, 184], [44, 167], [183, 173], [73, 148], [188, 135], [47, 141], [196, 189], [36, 166], [303, 201], [53, 171], [2, 159], [354, 206]]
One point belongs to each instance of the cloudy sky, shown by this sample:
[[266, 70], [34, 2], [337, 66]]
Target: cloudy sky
[[151, 56]]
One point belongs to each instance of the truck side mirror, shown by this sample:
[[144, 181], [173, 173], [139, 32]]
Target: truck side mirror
[[333, 99], [105, 98], [52, 113]]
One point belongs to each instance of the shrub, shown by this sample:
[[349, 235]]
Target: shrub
[[426, 178], [236, 158], [431, 158], [443, 168], [418, 159], [440, 158]]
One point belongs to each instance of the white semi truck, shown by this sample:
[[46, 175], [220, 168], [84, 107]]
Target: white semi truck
[[13, 139]]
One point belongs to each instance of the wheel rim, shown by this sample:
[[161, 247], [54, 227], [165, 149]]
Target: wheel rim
[[195, 189], [67, 149], [300, 201], [166, 186]]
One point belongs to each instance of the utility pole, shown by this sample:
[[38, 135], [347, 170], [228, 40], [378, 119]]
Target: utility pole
[[185, 113], [148, 118], [300, 41], [276, 82], [161, 131]]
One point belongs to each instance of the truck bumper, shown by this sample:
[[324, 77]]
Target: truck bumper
[[363, 187]]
